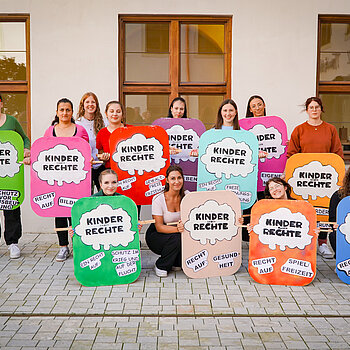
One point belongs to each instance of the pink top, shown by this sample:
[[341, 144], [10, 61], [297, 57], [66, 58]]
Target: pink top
[[79, 132]]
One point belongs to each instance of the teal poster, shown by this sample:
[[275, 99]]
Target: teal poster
[[228, 161], [11, 170], [106, 245]]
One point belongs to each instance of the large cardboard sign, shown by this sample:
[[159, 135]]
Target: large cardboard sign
[[343, 240], [60, 174], [184, 134], [283, 243], [106, 242], [11, 171], [140, 157], [271, 133], [228, 161], [211, 242], [315, 177]]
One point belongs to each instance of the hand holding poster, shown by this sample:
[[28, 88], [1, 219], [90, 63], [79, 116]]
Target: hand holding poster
[[211, 242], [271, 133], [228, 161], [184, 134], [140, 157], [11, 171], [60, 174], [283, 243], [106, 242]]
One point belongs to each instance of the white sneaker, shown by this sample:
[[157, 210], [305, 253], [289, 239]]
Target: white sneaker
[[325, 252], [63, 254], [159, 272], [15, 252]]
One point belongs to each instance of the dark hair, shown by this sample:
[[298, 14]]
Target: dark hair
[[249, 113], [0, 98], [170, 115], [344, 191], [168, 171], [280, 181], [63, 100], [315, 99], [121, 106], [98, 119], [219, 120], [106, 172]]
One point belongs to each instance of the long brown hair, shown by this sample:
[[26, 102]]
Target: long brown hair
[[249, 113], [344, 191], [219, 120], [280, 181], [98, 119], [168, 171]]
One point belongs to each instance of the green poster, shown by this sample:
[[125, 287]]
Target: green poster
[[106, 245], [11, 171]]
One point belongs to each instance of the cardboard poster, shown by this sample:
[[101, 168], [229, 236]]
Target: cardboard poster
[[314, 177], [283, 243], [271, 133], [140, 157], [343, 240], [60, 174], [184, 134], [11, 171], [106, 242], [228, 160], [211, 242]]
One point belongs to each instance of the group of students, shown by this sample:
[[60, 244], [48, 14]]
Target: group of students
[[314, 136]]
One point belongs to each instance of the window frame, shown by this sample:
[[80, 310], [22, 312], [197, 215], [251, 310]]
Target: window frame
[[174, 88], [20, 86]]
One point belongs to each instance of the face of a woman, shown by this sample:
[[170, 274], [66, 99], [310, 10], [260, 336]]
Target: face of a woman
[[178, 109], [314, 110], [175, 180], [257, 107], [114, 113], [90, 105], [277, 190], [109, 184], [64, 112], [228, 114]]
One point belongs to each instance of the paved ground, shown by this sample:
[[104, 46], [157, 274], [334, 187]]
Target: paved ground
[[42, 306]]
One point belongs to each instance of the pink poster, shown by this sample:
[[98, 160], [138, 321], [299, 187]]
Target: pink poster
[[60, 174], [271, 133]]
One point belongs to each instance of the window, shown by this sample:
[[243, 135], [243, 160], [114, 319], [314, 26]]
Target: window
[[14, 67], [162, 57], [333, 76]]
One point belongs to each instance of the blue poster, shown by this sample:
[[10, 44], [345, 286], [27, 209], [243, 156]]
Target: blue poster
[[343, 240], [228, 161]]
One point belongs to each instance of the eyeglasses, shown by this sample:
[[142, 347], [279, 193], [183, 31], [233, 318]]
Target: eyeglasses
[[272, 188]]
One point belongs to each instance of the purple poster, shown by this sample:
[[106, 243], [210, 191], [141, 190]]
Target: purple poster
[[184, 136], [271, 133]]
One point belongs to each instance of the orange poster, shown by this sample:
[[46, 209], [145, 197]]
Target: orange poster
[[211, 242], [283, 243]]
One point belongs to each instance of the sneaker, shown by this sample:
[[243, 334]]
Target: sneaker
[[63, 254], [159, 272], [15, 252], [176, 268], [324, 251]]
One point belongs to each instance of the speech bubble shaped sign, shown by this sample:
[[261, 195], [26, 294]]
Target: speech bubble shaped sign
[[272, 136], [228, 161], [212, 222], [211, 241], [283, 243], [11, 171], [140, 157], [345, 228], [60, 174], [107, 240], [344, 266], [105, 226]]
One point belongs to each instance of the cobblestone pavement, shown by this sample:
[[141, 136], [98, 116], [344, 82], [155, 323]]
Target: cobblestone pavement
[[42, 306]]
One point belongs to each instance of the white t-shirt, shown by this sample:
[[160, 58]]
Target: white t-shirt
[[89, 127], [160, 208]]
